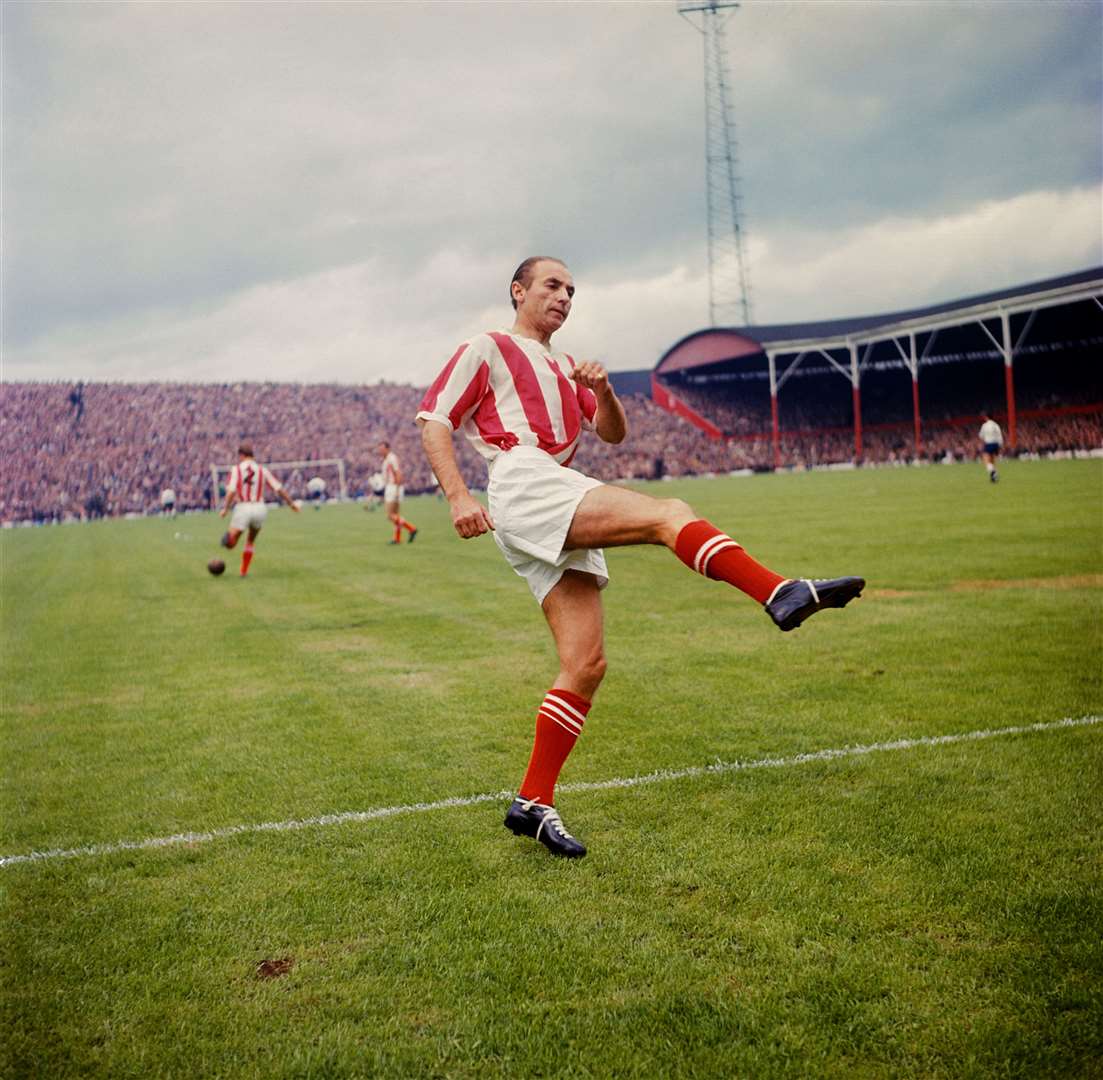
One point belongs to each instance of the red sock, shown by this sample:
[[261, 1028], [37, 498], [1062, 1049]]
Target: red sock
[[706, 550], [406, 525], [398, 532], [558, 725], [246, 559]]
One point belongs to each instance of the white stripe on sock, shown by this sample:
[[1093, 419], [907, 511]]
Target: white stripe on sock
[[567, 708], [706, 547], [566, 727], [561, 718], [715, 551]]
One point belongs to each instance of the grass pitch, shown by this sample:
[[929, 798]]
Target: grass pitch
[[923, 912]]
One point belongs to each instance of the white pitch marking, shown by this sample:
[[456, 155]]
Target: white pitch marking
[[659, 776]]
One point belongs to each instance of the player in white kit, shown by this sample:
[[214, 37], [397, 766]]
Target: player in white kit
[[991, 440], [246, 486]]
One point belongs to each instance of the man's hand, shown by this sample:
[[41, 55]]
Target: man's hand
[[594, 377], [609, 421], [469, 516], [222, 512]]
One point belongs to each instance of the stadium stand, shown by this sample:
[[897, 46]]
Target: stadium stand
[[894, 381], [107, 449], [76, 450]]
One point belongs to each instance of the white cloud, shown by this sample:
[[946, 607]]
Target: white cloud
[[903, 262], [360, 323]]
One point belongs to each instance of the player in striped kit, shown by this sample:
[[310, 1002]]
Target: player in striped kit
[[393, 490], [523, 407], [245, 487]]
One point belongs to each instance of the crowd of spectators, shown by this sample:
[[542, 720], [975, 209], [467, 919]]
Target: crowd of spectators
[[99, 449], [73, 450]]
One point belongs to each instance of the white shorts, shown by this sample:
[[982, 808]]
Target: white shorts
[[393, 493], [248, 515], [533, 500]]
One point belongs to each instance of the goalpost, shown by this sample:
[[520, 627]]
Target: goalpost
[[294, 475]]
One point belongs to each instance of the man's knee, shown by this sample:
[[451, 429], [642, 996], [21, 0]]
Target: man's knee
[[596, 666], [677, 514], [587, 670]]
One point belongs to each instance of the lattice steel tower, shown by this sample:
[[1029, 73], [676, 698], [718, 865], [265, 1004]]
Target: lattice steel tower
[[729, 286]]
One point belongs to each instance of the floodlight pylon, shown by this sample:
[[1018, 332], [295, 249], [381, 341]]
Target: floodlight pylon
[[729, 284]]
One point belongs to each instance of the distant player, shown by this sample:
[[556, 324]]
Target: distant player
[[393, 490], [246, 486], [375, 491], [168, 503], [316, 489], [991, 440]]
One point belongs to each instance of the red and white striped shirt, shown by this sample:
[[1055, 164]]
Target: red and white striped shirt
[[390, 468], [503, 391], [248, 479]]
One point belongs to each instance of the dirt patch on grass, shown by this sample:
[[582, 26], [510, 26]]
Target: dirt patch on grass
[[273, 969], [1069, 581], [888, 594]]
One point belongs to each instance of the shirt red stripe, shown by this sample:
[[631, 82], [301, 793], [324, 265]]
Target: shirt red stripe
[[429, 402], [476, 388], [489, 423], [572, 410], [528, 391]]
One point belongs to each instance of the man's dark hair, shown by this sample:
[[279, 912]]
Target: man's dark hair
[[523, 273], [245, 449]]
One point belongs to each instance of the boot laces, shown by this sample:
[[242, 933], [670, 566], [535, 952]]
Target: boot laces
[[551, 818]]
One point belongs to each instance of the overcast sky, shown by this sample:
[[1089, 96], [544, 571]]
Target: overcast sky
[[340, 192]]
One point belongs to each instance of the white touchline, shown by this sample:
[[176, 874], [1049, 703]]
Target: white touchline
[[659, 776]]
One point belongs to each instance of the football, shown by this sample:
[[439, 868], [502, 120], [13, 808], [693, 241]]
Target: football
[[216, 566]]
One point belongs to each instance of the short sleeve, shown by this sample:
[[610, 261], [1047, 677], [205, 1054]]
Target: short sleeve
[[458, 389]]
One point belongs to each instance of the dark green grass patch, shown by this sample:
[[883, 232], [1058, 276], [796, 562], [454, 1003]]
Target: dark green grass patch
[[923, 912]]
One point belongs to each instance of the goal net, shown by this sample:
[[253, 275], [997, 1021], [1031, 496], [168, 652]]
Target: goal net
[[318, 481]]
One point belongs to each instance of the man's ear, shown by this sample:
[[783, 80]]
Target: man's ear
[[517, 291]]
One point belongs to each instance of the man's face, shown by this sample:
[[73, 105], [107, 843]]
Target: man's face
[[546, 303]]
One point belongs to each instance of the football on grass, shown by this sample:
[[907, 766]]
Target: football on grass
[[216, 566]]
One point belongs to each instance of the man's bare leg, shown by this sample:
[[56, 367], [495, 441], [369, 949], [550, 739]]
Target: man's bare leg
[[577, 623], [611, 516]]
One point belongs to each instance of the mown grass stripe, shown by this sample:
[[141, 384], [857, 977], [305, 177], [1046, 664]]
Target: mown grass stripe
[[659, 776]]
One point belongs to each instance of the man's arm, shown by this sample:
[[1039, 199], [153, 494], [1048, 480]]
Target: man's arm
[[610, 423], [282, 493], [469, 516]]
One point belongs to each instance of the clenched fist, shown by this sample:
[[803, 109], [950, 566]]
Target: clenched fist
[[593, 376]]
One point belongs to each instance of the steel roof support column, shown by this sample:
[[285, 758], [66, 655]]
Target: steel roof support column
[[1009, 378], [855, 381], [771, 361], [913, 363]]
